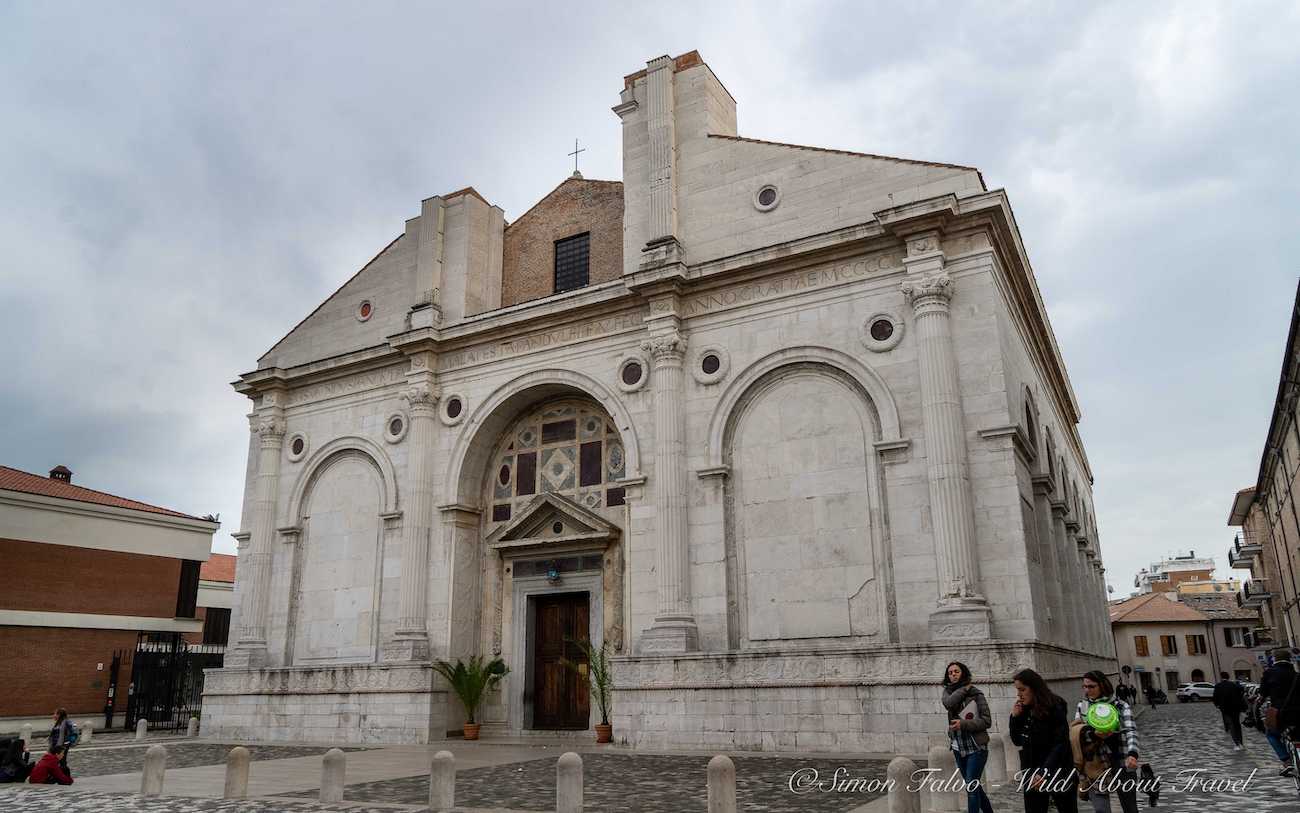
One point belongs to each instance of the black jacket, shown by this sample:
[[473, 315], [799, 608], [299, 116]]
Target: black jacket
[[1276, 686], [1228, 696], [1044, 743]]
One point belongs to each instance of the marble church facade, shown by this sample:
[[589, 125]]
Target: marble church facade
[[798, 436]]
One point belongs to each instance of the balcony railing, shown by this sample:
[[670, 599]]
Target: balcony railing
[[1243, 552], [1253, 594]]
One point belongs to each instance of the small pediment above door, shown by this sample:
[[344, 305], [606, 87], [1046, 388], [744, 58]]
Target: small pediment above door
[[551, 519]]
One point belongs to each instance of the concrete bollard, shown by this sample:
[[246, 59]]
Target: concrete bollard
[[903, 797], [87, 732], [722, 785], [333, 771], [1012, 754], [995, 769], [192, 730], [141, 728], [25, 734], [942, 798], [442, 783], [155, 766], [237, 762], [568, 784]]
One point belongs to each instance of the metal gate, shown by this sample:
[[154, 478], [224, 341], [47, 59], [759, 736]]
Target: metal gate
[[167, 680]]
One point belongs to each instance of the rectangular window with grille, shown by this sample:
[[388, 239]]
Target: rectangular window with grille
[[572, 258]]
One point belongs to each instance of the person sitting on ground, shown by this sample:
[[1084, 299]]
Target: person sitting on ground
[[48, 771], [15, 763]]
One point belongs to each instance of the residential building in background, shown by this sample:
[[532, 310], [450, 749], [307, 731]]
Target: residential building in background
[[1234, 647], [87, 575], [1165, 576]]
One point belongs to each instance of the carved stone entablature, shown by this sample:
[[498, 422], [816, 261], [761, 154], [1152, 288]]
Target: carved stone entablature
[[668, 347], [1020, 439], [290, 534], [923, 244], [1071, 524], [1060, 509], [893, 451], [421, 398], [340, 679], [935, 288], [1042, 485]]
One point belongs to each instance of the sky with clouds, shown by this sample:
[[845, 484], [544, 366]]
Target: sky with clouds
[[180, 184]]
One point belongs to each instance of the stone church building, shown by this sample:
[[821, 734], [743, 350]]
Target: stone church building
[[785, 428]]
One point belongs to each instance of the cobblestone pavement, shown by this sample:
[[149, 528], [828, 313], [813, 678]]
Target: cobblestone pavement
[[27, 799], [93, 761], [1190, 736], [645, 783]]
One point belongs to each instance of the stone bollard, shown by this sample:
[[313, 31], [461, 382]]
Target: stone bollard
[[1012, 756], [995, 770], [568, 784], [192, 730], [942, 798], [141, 728], [25, 734], [87, 732], [155, 766], [442, 783], [237, 762], [722, 785], [333, 770], [903, 797]]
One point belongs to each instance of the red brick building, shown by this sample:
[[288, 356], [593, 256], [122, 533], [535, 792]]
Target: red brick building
[[84, 572]]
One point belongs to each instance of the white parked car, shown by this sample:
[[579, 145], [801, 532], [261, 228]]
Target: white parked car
[[1191, 692]]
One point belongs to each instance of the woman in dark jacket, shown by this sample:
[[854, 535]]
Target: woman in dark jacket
[[14, 762], [969, 720], [1039, 725]]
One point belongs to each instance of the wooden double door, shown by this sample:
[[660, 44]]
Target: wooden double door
[[560, 694]]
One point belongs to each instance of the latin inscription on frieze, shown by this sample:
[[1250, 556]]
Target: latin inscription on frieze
[[346, 386], [541, 340], [794, 282]]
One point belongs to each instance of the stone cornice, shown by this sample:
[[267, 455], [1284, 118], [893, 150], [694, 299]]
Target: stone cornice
[[1020, 440]]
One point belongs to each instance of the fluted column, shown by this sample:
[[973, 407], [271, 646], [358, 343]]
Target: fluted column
[[1053, 575], [674, 628], [411, 640], [1070, 573], [963, 612], [661, 129], [250, 649]]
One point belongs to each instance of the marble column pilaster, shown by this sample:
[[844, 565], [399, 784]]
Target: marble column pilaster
[[250, 650], [1053, 577], [1071, 600], [963, 613], [410, 642], [674, 628]]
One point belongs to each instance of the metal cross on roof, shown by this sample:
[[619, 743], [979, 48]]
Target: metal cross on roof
[[575, 158]]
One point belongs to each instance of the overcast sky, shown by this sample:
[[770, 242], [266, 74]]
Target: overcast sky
[[177, 190]]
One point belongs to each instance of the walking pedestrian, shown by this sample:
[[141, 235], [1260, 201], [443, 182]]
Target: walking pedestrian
[[1278, 687], [1118, 747], [1039, 726], [63, 736], [969, 720], [1230, 701]]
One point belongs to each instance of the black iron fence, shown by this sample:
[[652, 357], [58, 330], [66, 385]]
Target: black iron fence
[[166, 685]]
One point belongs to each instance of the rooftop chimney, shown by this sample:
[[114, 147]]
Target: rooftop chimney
[[61, 473]]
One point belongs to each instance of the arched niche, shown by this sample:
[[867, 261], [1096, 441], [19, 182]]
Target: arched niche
[[317, 463]]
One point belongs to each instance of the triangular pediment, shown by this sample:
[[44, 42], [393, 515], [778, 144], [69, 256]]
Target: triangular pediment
[[550, 518]]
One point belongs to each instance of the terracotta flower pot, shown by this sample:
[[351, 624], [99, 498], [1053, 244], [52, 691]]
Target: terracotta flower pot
[[604, 732], [471, 730]]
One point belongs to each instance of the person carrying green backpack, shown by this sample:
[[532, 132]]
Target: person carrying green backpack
[[1108, 727]]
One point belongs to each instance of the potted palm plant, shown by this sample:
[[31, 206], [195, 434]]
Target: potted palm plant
[[470, 681], [602, 683]]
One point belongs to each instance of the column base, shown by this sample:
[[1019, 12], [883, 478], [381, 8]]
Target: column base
[[407, 648], [962, 620], [246, 656], [670, 635]]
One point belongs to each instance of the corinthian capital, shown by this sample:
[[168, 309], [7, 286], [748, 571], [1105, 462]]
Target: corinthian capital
[[270, 429], [936, 288], [669, 346], [421, 397]]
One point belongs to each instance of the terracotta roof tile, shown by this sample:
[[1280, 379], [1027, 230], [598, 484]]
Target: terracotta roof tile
[[219, 568], [1153, 607], [27, 483], [1219, 606]]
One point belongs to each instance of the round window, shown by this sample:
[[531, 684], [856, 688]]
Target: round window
[[395, 426], [364, 310], [631, 373], [881, 332], [298, 445], [710, 364], [767, 196], [454, 406], [882, 329], [558, 528]]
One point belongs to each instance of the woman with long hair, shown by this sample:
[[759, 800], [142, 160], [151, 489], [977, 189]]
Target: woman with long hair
[[1040, 727], [969, 720], [1119, 748]]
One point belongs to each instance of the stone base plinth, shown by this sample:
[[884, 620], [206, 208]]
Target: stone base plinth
[[670, 635], [961, 621], [406, 649], [362, 703]]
